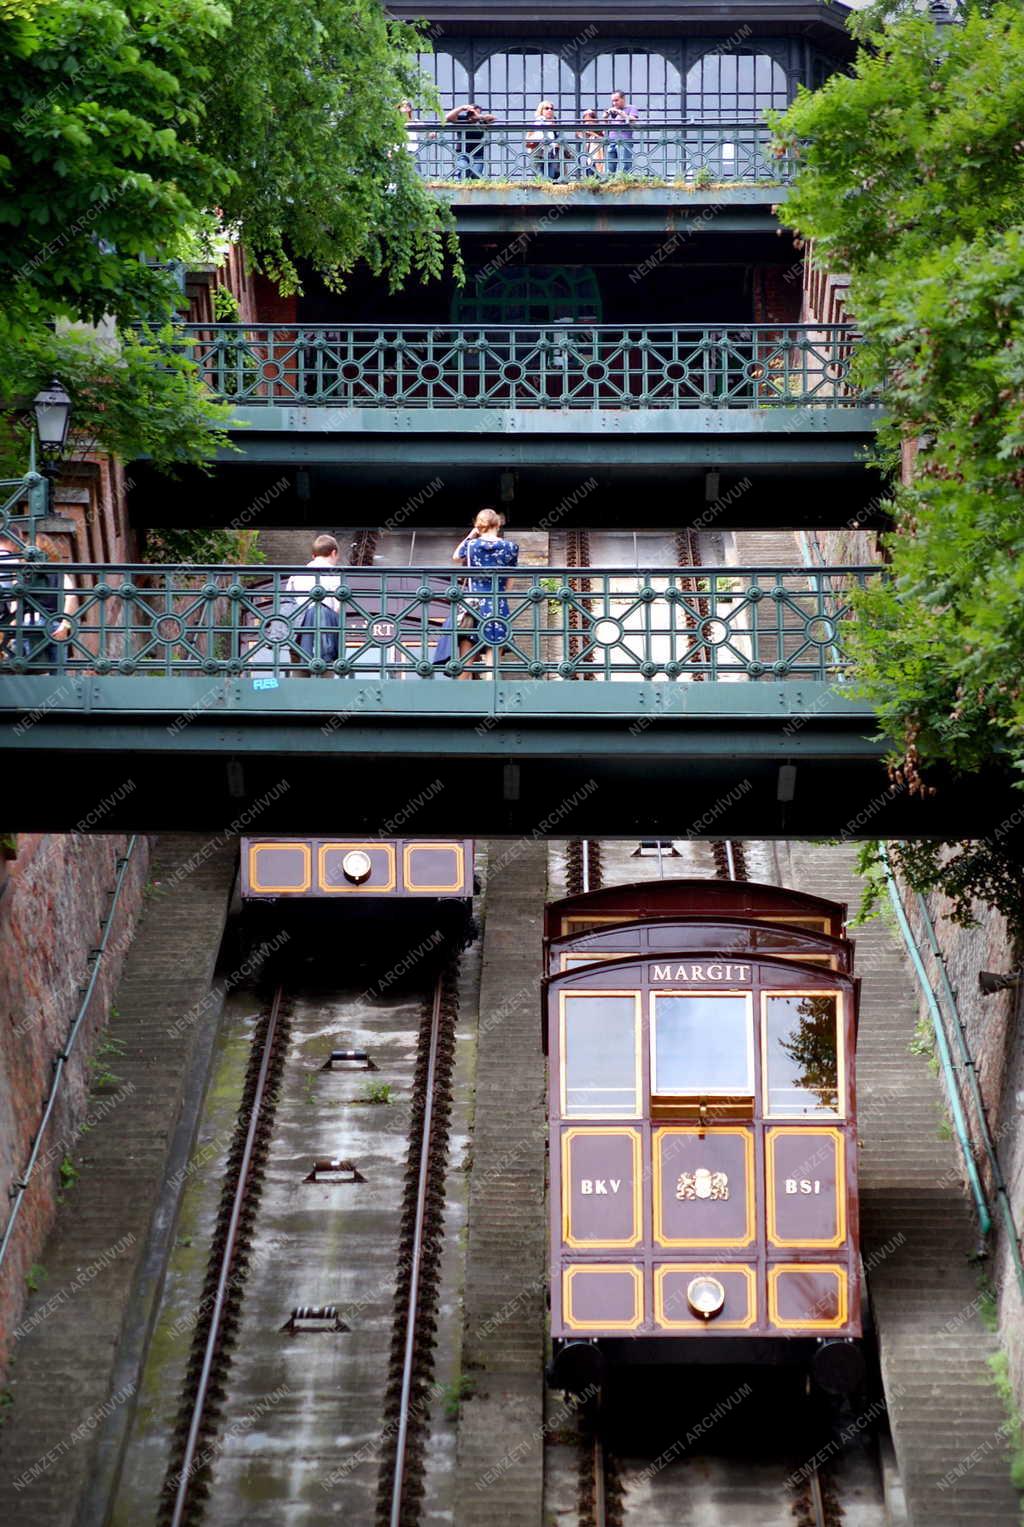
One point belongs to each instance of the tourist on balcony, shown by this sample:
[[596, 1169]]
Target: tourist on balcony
[[620, 114], [413, 128], [485, 620], [593, 144], [32, 624], [542, 140], [315, 621], [469, 145]]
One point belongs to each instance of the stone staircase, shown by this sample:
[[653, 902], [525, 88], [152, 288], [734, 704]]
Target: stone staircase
[[917, 1235], [500, 1446], [77, 1364]]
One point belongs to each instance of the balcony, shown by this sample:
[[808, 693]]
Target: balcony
[[555, 367], [331, 418], [607, 702], [664, 177]]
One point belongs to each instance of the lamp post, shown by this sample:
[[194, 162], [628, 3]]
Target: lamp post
[[52, 409]]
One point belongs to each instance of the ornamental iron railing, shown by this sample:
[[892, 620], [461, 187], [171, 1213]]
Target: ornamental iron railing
[[572, 365], [693, 154], [269, 624]]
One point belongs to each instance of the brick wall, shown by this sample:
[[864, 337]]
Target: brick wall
[[234, 275], [825, 293], [52, 902], [776, 294]]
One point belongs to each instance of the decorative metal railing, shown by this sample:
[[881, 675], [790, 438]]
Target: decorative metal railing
[[691, 153], [570, 365], [271, 623]]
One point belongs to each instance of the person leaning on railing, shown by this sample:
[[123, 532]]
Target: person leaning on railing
[[32, 624], [485, 618], [542, 140], [469, 159], [620, 115]]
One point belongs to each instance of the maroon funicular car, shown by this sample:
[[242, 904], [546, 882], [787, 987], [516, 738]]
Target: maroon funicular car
[[702, 1130]]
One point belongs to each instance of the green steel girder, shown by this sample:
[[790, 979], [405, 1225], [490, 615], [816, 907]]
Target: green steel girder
[[684, 433], [804, 708], [483, 759], [656, 211]]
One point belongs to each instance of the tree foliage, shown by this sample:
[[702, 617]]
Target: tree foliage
[[986, 870], [302, 112], [124, 126], [912, 181]]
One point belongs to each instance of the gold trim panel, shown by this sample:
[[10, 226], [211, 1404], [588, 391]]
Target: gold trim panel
[[841, 1319], [413, 848], [636, 1273], [747, 1135], [694, 1269], [568, 1136], [771, 1135], [258, 889]]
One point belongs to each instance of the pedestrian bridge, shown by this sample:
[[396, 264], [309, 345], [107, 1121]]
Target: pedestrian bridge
[[328, 416], [612, 701]]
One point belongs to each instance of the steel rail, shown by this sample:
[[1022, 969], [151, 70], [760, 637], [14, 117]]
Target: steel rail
[[19, 1186], [177, 1515], [600, 1494], [817, 1499], [416, 1257]]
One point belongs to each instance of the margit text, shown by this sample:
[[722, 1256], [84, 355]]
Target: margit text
[[716, 971]]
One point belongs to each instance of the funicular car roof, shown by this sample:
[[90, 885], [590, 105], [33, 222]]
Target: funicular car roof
[[700, 926], [640, 900]]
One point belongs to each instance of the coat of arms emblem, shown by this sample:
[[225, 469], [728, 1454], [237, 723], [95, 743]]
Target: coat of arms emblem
[[702, 1184]]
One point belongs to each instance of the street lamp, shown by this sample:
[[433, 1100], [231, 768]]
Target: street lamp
[[52, 408]]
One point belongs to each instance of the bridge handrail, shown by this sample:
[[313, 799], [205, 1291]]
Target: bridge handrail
[[691, 153], [531, 366], [649, 624]]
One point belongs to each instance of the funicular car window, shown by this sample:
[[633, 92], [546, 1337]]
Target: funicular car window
[[600, 1055], [801, 1054], [702, 1044]]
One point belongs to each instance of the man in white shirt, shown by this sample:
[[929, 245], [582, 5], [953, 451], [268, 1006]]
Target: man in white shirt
[[316, 620]]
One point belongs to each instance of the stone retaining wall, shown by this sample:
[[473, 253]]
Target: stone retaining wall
[[57, 892]]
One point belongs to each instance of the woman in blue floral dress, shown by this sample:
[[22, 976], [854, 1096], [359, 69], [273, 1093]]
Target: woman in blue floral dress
[[483, 548]]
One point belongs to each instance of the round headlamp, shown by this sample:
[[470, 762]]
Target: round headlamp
[[705, 1296], [356, 866]]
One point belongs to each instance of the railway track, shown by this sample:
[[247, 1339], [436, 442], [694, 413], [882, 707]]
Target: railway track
[[615, 1492], [584, 868], [187, 1477], [218, 1396], [407, 1409]]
